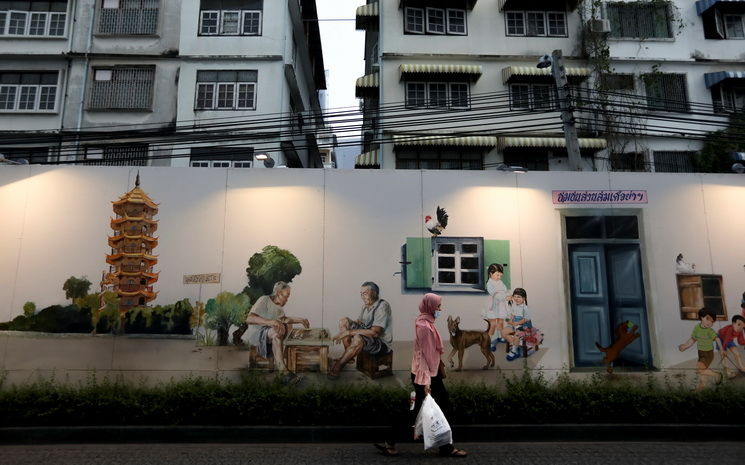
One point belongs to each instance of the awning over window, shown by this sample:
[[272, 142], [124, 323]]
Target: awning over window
[[366, 16], [474, 71], [534, 4], [367, 86], [465, 141], [715, 78], [367, 159], [703, 5], [514, 73], [555, 142]]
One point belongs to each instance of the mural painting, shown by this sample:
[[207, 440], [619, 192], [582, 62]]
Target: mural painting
[[593, 266]]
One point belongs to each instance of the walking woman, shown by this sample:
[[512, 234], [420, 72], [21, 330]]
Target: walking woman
[[427, 372]]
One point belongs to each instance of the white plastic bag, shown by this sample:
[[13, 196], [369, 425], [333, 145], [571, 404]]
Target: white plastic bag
[[432, 425]]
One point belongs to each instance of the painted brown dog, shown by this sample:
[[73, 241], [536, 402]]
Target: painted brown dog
[[626, 333], [462, 339]]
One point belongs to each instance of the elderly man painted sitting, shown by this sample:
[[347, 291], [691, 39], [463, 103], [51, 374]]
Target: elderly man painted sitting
[[268, 325], [371, 332]]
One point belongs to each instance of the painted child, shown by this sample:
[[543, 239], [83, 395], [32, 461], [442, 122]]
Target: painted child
[[705, 339], [496, 309], [518, 319], [727, 337]]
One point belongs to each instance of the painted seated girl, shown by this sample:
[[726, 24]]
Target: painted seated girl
[[516, 322]]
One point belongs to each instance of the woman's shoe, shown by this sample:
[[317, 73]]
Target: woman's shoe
[[456, 453], [388, 451]]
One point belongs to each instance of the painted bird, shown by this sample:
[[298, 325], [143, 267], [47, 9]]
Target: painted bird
[[436, 226]]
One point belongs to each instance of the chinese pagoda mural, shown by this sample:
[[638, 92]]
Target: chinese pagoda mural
[[131, 260]]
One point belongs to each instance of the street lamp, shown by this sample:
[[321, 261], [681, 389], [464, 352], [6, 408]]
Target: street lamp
[[7, 161], [512, 169], [268, 161], [556, 62]]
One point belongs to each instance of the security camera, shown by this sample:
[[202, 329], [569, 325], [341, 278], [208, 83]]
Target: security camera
[[545, 61], [738, 168]]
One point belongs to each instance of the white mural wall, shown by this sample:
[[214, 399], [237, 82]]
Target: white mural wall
[[347, 227]]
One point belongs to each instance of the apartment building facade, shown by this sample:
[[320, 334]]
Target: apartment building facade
[[208, 83], [455, 84]]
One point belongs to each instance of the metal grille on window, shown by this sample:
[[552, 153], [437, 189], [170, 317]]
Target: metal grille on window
[[638, 19], [674, 162], [126, 88], [128, 17], [666, 92], [117, 155]]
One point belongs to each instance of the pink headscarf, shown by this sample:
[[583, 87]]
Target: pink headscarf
[[428, 342], [429, 305]]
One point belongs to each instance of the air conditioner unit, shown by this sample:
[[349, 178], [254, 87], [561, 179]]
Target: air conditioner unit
[[599, 25]]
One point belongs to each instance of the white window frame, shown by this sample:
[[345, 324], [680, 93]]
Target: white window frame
[[28, 97], [430, 90], [210, 15], [517, 23], [219, 90], [414, 20], [456, 19], [457, 256], [416, 94], [436, 21], [225, 16], [22, 23], [527, 96], [453, 101], [248, 17], [733, 98], [243, 18], [731, 20]]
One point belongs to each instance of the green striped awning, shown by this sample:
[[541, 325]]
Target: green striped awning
[[367, 159], [556, 142], [367, 86], [474, 71], [465, 141], [366, 16], [513, 73]]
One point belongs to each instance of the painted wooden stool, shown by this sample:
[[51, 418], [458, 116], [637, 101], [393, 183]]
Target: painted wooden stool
[[375, 366]]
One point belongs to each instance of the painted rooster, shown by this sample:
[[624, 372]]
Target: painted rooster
[[436, 226]]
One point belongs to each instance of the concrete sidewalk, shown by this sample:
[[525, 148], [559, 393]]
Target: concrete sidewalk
[[366, 434], [528, 453]]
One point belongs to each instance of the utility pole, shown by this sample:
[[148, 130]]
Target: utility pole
[[567, 111]]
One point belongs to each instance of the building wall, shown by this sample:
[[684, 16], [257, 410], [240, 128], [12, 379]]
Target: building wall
[[177, 51], [347, 227], [486, 44]]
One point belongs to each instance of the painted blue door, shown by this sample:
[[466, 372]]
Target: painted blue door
[[607, 288]]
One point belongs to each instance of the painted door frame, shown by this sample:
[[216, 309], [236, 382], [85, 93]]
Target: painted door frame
[[606, 303]]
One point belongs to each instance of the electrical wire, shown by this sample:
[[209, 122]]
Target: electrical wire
[[487, 114]]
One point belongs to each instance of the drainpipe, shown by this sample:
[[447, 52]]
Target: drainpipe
[[86, 73], [380, 83]]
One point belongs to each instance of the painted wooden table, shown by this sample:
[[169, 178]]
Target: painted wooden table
[[308, 349]]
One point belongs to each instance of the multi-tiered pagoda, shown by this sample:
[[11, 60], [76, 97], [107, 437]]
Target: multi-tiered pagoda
[[131, 260]]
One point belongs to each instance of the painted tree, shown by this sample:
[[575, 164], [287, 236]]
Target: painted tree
[[76, 287], [272, 264], [225, 310]]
